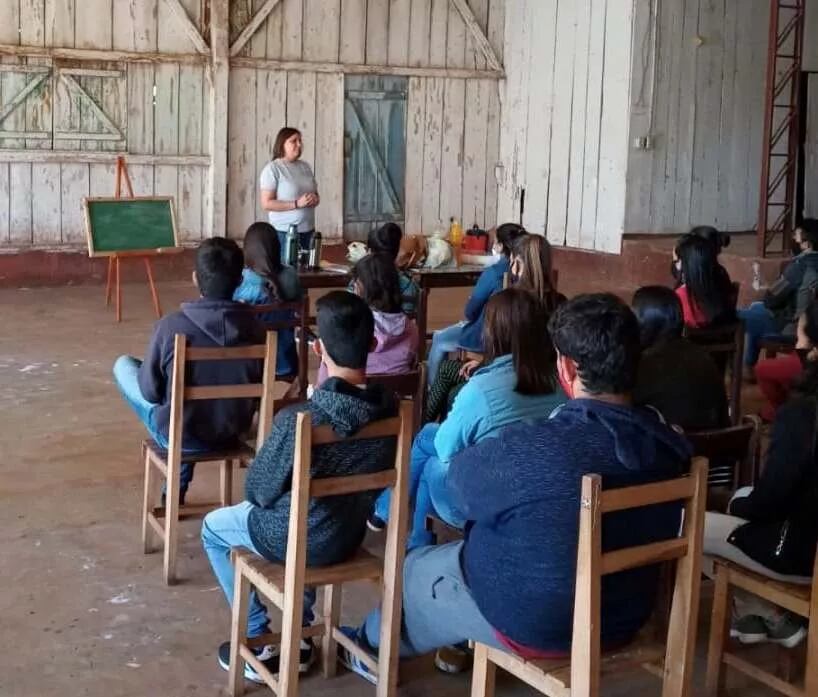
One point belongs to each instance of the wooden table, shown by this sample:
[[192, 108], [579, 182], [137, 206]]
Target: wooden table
[[442, 277]]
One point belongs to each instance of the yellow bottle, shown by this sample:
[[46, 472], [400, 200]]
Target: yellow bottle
[[455, 233]]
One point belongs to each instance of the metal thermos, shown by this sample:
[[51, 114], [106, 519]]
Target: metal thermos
[[315, 251], [291, 251]]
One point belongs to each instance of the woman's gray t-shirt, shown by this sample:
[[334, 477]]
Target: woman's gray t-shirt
[[289, 180]]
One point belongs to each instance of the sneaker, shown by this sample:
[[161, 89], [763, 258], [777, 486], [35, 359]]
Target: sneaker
[[375, 523], [788, 630], [353, 663], [269, 656], [750, 629], [454, 659]]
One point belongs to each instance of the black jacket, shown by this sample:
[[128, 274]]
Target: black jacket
[[207, 424], [783, 509], [789, 296]]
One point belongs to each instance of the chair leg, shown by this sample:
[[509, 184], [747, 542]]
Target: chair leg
[[171, 523], [226, 482], [147, 503], [719, 629], [332, 618], [290, 645], [238, 630], [811, 671], [484, 673]]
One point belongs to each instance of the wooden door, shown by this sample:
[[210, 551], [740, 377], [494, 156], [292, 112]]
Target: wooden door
[[374, 152]]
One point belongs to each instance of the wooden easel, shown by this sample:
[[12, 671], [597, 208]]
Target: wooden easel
[[114, 259]]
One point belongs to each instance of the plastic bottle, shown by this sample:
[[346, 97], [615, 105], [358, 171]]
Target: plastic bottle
[[455, 233]]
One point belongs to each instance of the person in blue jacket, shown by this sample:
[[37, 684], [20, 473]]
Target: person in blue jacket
[[468, 332], [518, 381], [510, 583], [265, 280]]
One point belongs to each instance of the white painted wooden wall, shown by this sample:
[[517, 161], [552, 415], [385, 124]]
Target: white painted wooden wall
[[453, 107], [699, 96], [564, 131]]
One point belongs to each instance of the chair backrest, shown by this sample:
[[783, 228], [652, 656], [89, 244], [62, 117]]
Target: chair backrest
[[593, 564], [725, 344], [739, 445], [410, 385], [181, 393], [299, 320], [396, 477]]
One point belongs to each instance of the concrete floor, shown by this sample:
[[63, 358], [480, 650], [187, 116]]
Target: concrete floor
[[83, 611]]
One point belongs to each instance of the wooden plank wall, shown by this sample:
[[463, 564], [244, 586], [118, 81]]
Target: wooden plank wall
[[40, 202], [452, 123], [700, 97], [564, 126]]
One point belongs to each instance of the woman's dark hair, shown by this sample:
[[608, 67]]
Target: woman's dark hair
[[808, 383], [536, 277], [385, 240], [707, 283], [380, 285], [659, 312], [262, 254], [718, 239], [601, 335], [516, 323], [283, 136], [506, 234]]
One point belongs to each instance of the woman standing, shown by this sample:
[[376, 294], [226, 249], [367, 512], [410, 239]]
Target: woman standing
[[288, 189]]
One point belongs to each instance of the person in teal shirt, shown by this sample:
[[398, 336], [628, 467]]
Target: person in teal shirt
[[518, 381]]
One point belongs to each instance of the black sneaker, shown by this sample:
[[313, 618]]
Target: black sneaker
[[375, 524], [269, 656]]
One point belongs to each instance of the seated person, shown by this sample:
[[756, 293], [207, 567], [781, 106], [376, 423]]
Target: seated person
[[518, 381], [265, 280], [676, 376], [705, 291], [777, 376], [211, 321], [375, 279], [335, 525], [788, 297], [468, 332], [386, 240], [510, 583], [772, 529]]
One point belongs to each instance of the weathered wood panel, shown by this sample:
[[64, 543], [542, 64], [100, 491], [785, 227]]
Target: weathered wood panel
[[75, 183], [329, 154]]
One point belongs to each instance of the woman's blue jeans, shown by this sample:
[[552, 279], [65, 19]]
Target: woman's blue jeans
[[758, 322]]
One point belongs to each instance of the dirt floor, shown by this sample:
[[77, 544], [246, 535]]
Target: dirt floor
[[83, 611]]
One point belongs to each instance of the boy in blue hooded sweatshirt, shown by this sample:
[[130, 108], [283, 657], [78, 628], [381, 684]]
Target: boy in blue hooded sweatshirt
[[213, 320], [510, 582]]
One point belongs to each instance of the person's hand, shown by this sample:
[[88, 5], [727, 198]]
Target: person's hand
[[468, 368], [303, 201], [315, 199]]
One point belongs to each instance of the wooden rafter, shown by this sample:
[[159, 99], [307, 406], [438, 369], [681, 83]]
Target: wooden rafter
[[477, 34], [178, 11], [252, 26]]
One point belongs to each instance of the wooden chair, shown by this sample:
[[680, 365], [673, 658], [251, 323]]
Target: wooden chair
[[298, 322], [726, 345], [164, 521], [737, 445], [579, 675], [410, 385], [284, 585], [800, 599]]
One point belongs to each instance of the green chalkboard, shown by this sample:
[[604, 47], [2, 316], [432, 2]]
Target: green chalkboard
[[142, 224]]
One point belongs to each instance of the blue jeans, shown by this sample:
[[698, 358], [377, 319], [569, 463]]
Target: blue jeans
[[304, 242], [758, 322], [427, 490], [126, 373], [438, 607], [443, 341], [228, 527]]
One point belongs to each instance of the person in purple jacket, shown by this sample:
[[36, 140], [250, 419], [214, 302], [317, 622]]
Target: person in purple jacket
[[213, 320], [510, 582], [375, 280]]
